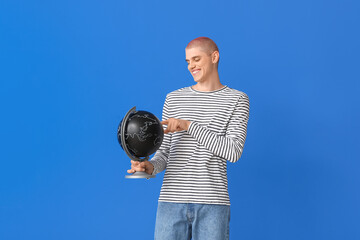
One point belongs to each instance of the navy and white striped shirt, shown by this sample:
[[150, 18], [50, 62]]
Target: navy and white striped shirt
[[196, 160]]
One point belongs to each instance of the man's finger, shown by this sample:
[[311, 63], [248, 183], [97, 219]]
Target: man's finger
[[138, 168], [134, 163]]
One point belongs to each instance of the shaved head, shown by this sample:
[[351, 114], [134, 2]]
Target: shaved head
[[205, 43]]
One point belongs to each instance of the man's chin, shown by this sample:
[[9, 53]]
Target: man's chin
[[197, 79]]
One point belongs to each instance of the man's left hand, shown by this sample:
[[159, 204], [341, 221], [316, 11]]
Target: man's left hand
[[176, 125]]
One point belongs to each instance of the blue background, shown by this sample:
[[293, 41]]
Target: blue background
[[70, 70]]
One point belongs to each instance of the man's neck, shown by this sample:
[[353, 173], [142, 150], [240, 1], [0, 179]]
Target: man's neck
[[208, 85]]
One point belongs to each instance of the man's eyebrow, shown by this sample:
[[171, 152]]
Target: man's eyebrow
[[192, 58]]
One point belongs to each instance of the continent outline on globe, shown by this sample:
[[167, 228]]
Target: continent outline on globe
[[140, 134]]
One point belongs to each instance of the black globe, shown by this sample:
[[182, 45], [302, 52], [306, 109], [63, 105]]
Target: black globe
[[140, 134]]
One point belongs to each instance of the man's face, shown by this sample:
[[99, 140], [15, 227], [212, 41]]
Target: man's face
[[200, 63]]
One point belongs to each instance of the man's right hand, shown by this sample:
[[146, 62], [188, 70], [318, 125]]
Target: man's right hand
[[144, 166]]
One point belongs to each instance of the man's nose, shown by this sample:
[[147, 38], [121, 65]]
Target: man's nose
[[191, 65]]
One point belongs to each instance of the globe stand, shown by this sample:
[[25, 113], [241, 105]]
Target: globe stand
[[140, 175]]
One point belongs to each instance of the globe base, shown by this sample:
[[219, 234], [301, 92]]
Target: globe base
[[140, 175]]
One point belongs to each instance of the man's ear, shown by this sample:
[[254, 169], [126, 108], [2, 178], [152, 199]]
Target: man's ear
[[215, 56]]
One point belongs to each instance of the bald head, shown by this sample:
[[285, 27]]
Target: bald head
[[205, 43]]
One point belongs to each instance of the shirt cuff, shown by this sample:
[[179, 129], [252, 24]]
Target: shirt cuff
[[194, 129], [154, 163], [191, 127]]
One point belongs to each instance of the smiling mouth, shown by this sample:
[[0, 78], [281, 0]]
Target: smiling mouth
[[195, 72]]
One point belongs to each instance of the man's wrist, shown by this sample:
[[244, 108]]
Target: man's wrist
[[153, 167]]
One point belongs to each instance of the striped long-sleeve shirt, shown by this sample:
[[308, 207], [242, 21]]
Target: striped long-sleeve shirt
[[196, 160]]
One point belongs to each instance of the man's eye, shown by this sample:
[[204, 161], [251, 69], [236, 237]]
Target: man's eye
[[197, 59]]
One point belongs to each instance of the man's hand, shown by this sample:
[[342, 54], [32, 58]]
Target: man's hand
[[144, 166], [176, 125]]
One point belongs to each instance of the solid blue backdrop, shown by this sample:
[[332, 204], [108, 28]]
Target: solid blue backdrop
[[70, 70]]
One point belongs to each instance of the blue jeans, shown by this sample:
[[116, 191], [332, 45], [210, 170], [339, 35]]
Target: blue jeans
[[185, 221]]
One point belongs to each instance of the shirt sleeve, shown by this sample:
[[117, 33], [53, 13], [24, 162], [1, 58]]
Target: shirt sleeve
[[229, 146], [161, 156]]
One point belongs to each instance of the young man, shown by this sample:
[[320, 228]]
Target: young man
[[206, 127]]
